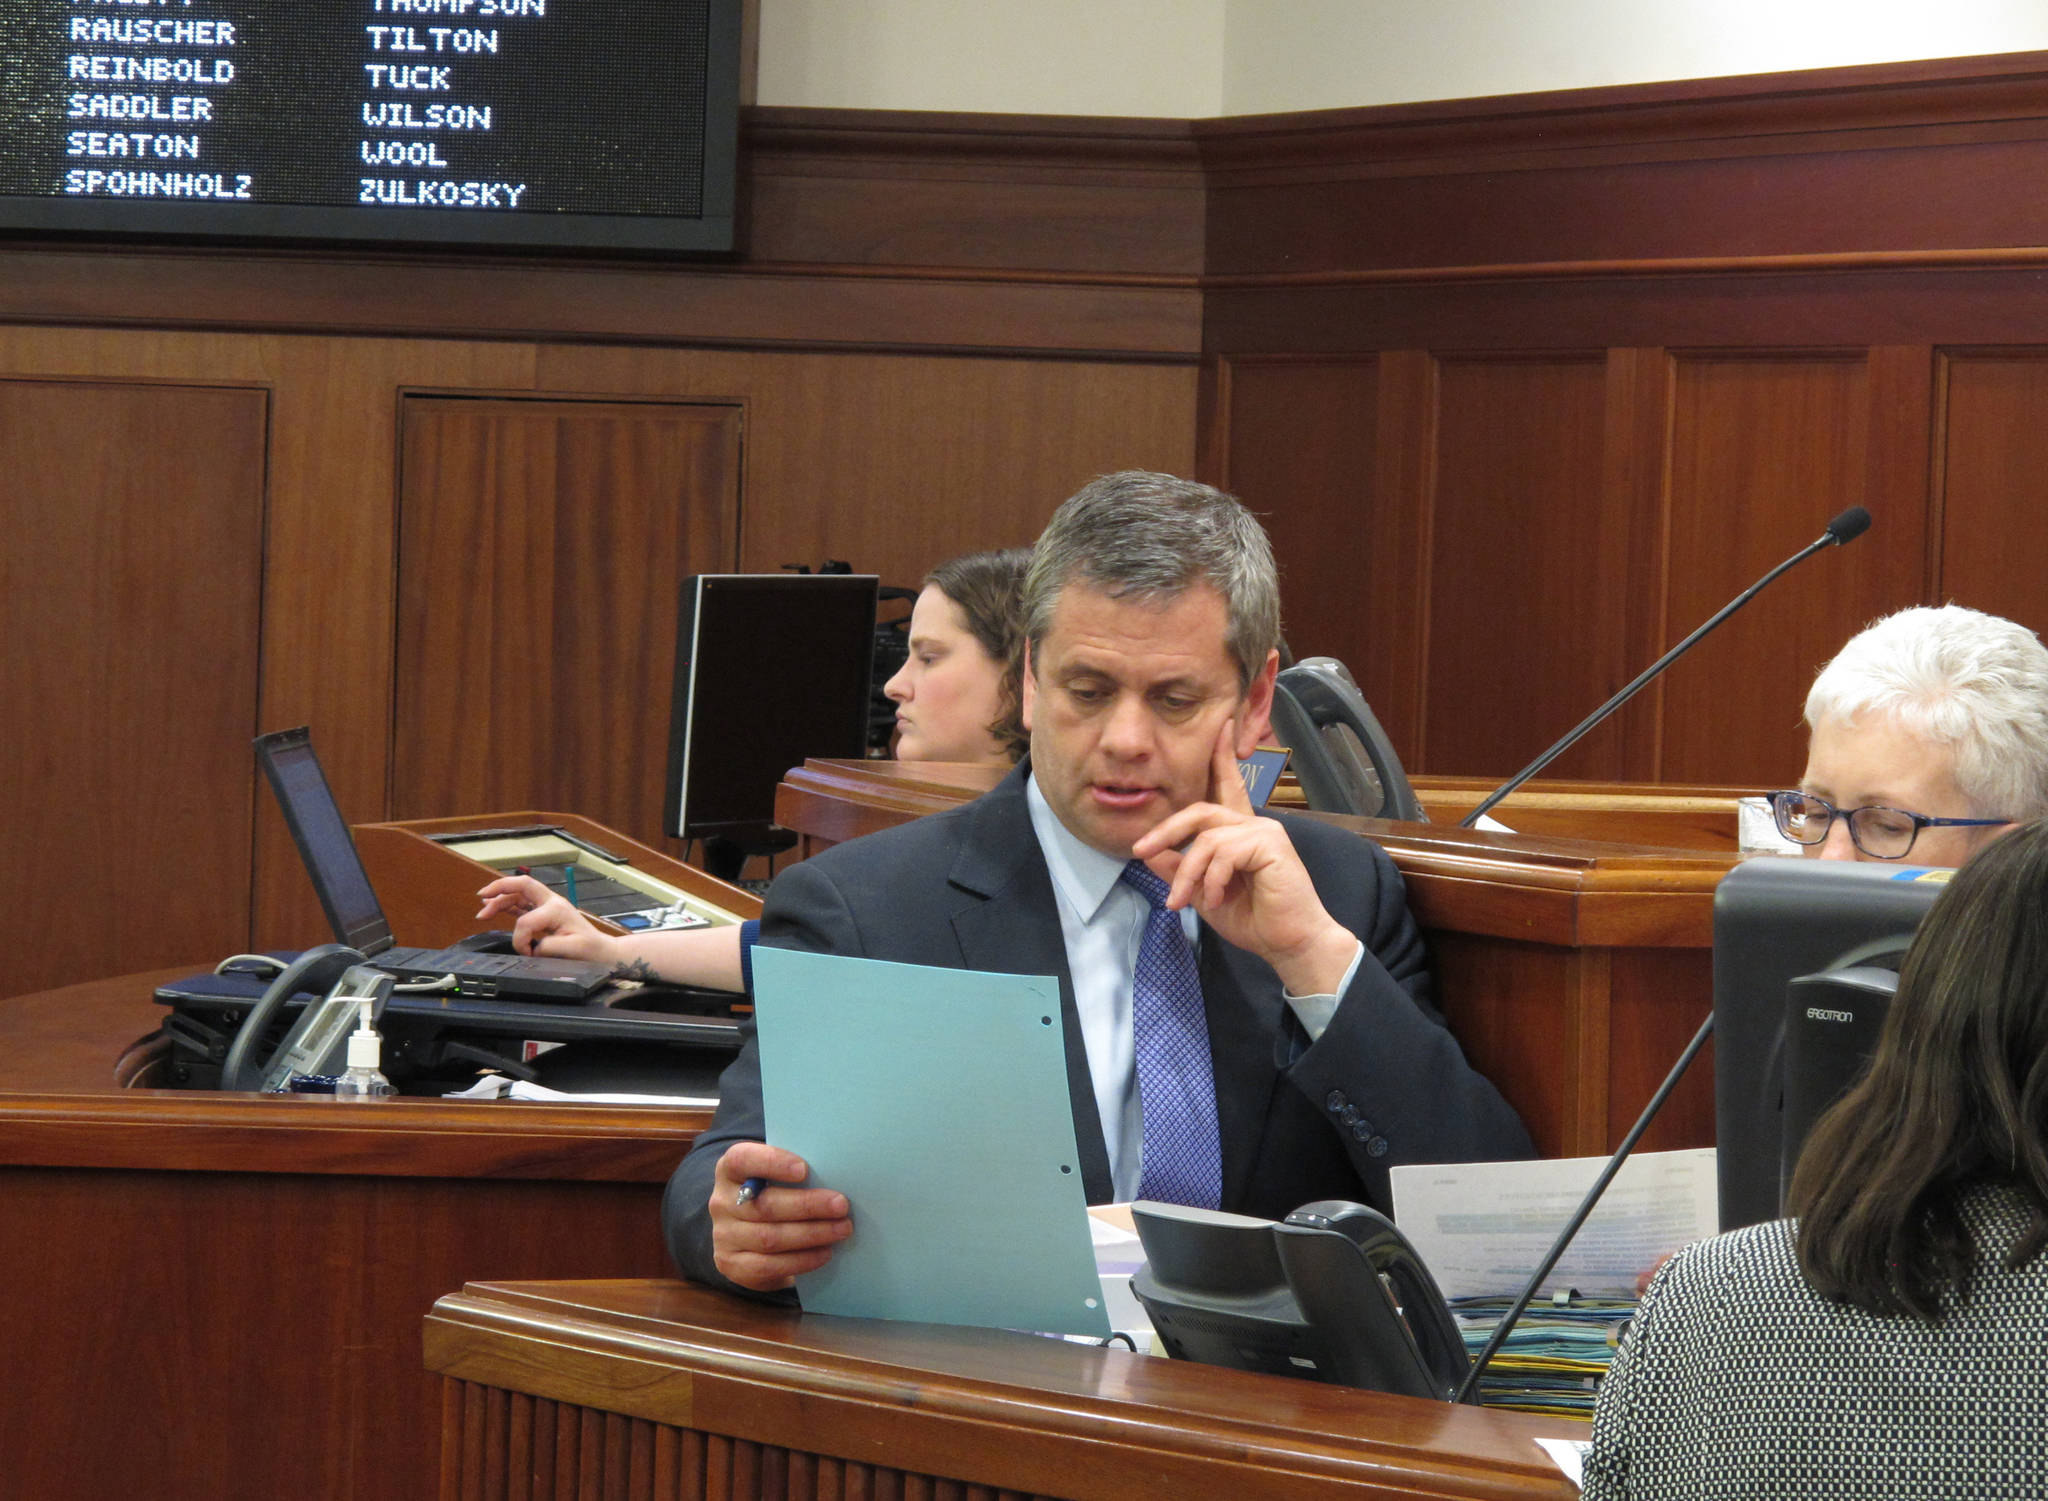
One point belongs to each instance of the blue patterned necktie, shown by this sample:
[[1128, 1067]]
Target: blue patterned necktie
[[1183, 1163]]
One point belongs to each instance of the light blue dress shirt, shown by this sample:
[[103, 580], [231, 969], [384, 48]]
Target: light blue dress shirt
[[1102, 921]]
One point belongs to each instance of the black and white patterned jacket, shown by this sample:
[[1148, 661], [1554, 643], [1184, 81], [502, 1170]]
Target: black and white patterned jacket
[[1736, 1379]]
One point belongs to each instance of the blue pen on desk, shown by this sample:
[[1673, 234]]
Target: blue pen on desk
[[569, 878], [751, 1189]]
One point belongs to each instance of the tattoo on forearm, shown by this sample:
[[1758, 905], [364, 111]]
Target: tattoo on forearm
[[634, 969]]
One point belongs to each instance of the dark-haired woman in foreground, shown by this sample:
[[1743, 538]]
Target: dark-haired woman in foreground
[[1892, 1341]]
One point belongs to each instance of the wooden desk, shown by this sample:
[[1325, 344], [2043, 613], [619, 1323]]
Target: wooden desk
[[219, 1296], [1660, 815], [1574, 971], [434, 885], [610, 1390]]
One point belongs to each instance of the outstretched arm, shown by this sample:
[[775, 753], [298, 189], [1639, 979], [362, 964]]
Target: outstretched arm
[[549, 926]]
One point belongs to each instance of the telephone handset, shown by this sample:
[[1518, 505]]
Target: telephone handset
[[1342, 758], [1349, 1266], [328, 970]]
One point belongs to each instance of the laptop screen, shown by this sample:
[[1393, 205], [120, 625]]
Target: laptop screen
[[323, 838]]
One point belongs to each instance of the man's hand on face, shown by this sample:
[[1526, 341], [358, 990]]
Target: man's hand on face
[[1241, 873], [783, 1231]]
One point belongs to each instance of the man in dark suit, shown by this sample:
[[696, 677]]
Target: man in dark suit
[[1244, 997]]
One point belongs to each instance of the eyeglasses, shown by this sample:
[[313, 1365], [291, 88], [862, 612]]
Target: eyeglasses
[[1881, 833]]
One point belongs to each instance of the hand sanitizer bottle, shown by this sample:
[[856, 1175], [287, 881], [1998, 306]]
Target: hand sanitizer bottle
[[365, 1079]]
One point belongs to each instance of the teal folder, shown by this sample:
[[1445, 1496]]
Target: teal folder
[[936, 1101]]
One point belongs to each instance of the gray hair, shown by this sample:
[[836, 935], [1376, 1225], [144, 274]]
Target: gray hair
[[1148, 537], [1972, 682]]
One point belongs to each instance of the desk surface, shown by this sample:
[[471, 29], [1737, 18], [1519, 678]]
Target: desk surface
[[910, 1403], [66, 1054], [219, 1296]]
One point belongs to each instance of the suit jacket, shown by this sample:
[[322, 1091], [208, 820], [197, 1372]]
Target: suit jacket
[[1298, 1121]]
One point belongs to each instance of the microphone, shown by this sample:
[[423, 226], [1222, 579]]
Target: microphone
[[1846, 527]]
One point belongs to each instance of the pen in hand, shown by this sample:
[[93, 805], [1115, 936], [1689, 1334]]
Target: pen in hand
[[751, 1189]]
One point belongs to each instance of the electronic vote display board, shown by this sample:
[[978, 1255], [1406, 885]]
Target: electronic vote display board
[[537, 124]]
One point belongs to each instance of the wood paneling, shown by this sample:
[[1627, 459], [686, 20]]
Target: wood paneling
[[129, 587], [852, 456], [896, 462], [1577, 515], [1303, 433], [1764, 452], [214, 1307], [1896, 158], [1637, 468], [542, 549], [1640, 1050], [797, 307], [1730, 304], [1392, 297], [1107, 198], [226, 1289], [1395, 673], [1527, 557], [1994, 484], [330, 558]]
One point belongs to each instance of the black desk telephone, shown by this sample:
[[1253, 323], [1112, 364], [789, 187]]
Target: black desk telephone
[[314, 1043], [1333, 1293]]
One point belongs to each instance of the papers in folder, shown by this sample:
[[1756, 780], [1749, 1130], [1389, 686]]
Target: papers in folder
[[1482, 1227], [936, 1101]]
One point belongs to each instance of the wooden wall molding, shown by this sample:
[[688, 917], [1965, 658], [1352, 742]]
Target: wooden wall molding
[[793, 308], [921, 142], [1872, 108], [863, 231], [1748, 309], [1907, 184], [1107, 238], [2016, 258]]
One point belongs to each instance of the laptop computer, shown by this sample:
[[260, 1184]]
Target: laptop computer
[[351, 905]]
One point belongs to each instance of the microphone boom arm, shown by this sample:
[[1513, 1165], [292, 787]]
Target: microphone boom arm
[[1844, 528], [1506, 1325]]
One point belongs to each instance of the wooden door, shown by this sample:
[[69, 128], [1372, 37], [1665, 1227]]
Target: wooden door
[[542, 546], [129, 595]]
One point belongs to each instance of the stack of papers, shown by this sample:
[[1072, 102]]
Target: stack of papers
[[1554, 1358], [499, 1087], [1483, 1228]]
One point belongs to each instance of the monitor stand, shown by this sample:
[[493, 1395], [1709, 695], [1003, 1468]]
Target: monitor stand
[[726, 855]]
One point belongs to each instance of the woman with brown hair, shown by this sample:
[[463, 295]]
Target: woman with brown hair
[[958, 693], [1892, 1340]]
